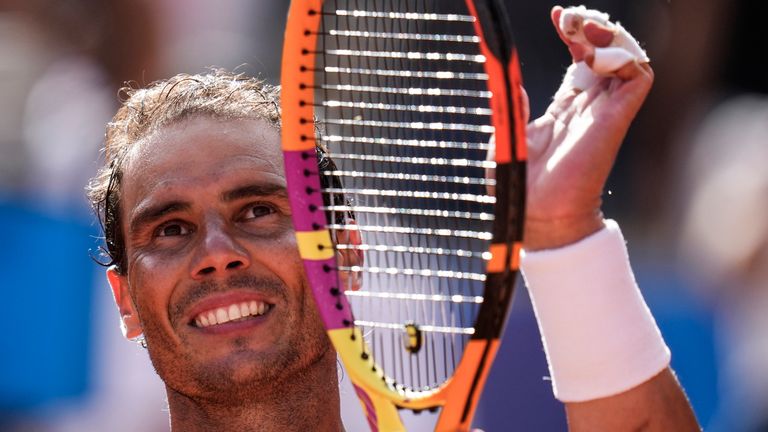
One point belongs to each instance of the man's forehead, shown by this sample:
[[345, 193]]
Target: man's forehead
[[196, 141], [200, 151]]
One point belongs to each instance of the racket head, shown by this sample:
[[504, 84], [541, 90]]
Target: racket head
[[391, 194]]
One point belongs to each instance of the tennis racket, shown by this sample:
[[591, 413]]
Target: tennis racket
[[408, 217]]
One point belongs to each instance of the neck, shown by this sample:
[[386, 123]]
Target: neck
[[309, 401]]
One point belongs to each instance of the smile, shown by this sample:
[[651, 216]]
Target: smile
[[234, 312]]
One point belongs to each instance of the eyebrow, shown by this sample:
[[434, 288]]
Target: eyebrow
[[255, 190]]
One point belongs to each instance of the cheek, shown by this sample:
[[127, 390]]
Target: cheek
[[158, 269], [152, 279], [281, 255]]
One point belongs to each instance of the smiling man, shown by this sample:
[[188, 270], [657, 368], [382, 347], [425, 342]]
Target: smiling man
[[205, 265], [205, 269]]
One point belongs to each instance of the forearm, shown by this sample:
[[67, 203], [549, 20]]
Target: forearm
[[658, 404], [608, 361]]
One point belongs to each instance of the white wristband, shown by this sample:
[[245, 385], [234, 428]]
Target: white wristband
[[599, 335]]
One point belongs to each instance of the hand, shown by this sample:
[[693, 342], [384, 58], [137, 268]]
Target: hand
[[572, 147]]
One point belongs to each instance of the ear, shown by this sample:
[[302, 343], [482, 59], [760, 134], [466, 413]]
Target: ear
[[349, 257], [129, 319]]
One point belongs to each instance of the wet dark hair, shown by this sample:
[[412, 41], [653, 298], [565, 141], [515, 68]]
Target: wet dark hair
[[219, 94]]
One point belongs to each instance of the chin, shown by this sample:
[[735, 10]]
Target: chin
[[240, 374]]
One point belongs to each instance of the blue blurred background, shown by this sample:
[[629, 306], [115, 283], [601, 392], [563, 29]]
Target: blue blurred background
[[690, 189]]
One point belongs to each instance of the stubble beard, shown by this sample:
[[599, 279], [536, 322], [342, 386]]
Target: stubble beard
[[245, 375]]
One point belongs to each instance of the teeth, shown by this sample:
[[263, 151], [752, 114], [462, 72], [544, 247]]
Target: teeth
[[230, 313], [234, 312], [221, 315]]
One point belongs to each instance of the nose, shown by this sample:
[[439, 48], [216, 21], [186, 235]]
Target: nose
[[219, 252]]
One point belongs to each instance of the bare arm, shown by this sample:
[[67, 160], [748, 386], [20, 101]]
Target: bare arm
[[572, 148], [658, 404]]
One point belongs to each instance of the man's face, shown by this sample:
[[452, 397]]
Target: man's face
[[213, 267]]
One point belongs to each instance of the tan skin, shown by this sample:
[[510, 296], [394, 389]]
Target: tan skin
[[214, 247], [210, 226]]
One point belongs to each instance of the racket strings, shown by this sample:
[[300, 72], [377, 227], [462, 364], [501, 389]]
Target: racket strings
[[400, 36], [413, 108], [403, 97], [424, 90], [481, 146], [446, 75], [412, 212]]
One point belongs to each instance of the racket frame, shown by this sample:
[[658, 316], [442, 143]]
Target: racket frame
[[380, 396]]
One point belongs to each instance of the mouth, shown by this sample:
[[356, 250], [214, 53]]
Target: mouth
[[232, 313]]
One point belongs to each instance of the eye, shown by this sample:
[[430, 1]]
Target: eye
[[255, 211], [172, 229]]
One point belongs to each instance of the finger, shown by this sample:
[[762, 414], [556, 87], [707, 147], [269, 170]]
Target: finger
[[616, 107], [581, 102], [606, 61], [547, 130], [631, 87], [577, 51], [633, 70], [555, 15], [597, 34], [577, 78]]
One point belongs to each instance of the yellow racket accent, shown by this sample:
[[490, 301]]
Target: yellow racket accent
[[315, 245], [348, 344], [451, 395]]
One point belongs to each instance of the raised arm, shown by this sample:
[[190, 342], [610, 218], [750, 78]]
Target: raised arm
[[606, 383]]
